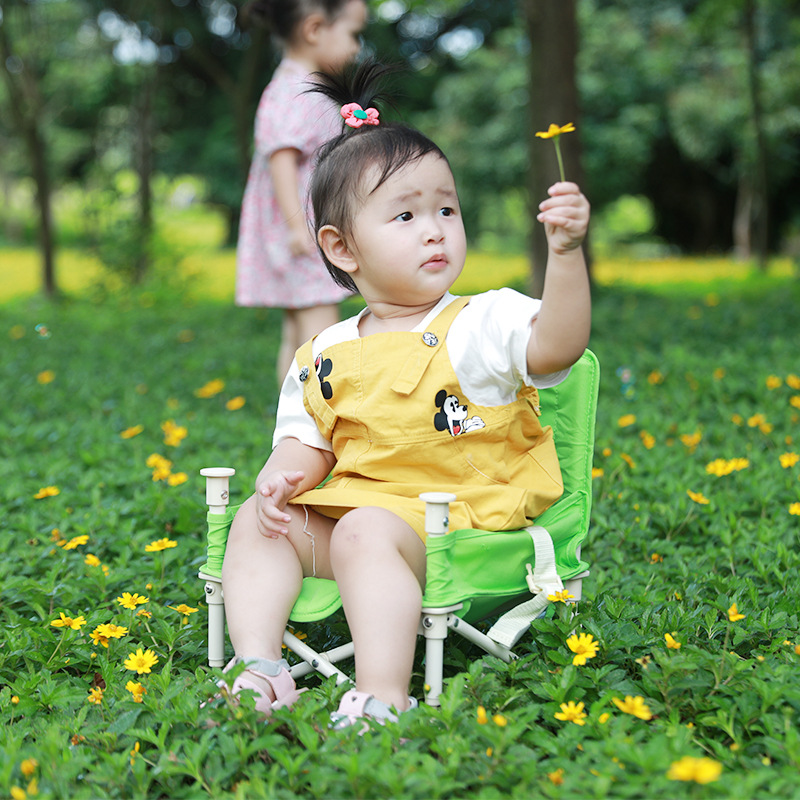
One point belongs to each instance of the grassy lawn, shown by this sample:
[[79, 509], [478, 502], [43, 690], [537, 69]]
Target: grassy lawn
[[697, 509]]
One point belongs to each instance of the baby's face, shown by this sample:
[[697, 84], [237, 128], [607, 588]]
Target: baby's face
[[408, 236]]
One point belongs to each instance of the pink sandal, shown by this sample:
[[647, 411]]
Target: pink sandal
[[275, 673], [356, 706]]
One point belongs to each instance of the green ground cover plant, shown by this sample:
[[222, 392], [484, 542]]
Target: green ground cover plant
[[690, 681]]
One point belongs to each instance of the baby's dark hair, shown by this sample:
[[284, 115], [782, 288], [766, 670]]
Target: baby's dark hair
[[338, 182], [281, 17]]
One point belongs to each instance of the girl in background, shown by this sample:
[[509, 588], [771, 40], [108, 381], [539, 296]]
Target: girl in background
[[277, 263]]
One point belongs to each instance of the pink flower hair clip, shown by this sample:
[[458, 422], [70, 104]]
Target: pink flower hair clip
[[355, 116]]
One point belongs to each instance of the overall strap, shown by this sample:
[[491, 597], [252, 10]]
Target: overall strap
[[428, 345]]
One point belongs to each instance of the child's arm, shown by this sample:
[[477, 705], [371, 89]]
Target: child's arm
[[292, 468], [560, 332], [283, 166]]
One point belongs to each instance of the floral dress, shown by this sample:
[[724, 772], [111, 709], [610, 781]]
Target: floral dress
[[266, 273]]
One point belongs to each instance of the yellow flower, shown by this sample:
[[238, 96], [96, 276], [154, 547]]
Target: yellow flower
[[788, 460], [499, 720], [655, 377], [177, 478], [698, 497], [774, 382], [584, 646], [141, 661], [137, 690], [95, 696], [28, 766], [560, 597], [210, 389], [793, 381], [794, 401], [626, 420], [721, 466], [635, 706], [235, 403], [672, 643], [102, 633], [159, 545], [129, 433], [92, 560], [17, 793], [648, 440], [691, 440], [554, 131], [597, 472], [74, 623], [481, 716], [734, 615], [556, 777], [571, 712], [76, 541], [756, 421], [604, 717], [183, 609], [656, 558], [47, 491], [48, 376], [131, 601], [173, 434], [719, 373], [628, 460], [699, 770], [794, 509]]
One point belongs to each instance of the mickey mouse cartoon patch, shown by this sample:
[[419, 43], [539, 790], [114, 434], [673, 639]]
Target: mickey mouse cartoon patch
[[324, 367], [452, 415]]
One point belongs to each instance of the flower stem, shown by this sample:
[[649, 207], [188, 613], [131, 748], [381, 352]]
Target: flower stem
[[558, 156]]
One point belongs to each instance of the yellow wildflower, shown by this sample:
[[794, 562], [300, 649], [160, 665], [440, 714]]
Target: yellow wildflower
[[794, 509], [571, 712], [556, 777], [699, 770], [76, 541], [698, 497], [141, 661], [210, 389], [95, 696], [92, 560], [482, 716], [733, 613], [499, 720], [28, 766], [656, 558], [45, 377], [159, 545], [173, 434], [102, 633], [773, 382], [129, 433], [235, 403], [560, 597], [628, 460], [788, 460], [177, 478], [721, 466], [555, 130], [719, 373], [74, 623], [137, 690], [183, 609], [626, 420], [47, 491], [655, 377], [635, 706], [584, 646], [672, 643], [597, 472], [691, 440], [794, 401], [648, 440], [793, 381], [131, 601]]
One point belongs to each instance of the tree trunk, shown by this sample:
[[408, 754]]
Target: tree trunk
[[553, 33], [758, 165], [26, 109]]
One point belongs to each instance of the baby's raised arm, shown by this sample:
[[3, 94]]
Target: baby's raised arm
[[292, 468], [561, 330]]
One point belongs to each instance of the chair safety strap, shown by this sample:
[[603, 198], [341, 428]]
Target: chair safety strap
[[543, 580]]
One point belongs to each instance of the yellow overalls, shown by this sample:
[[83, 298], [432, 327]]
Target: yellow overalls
[[399, 424]]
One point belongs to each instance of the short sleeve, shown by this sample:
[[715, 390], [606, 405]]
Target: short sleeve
[[488, 344], [292, 420]]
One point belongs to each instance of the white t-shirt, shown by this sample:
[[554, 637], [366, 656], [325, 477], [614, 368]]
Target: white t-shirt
[[495, 325]]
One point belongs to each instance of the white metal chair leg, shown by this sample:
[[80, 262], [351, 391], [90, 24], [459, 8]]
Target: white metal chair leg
[[216, 624]]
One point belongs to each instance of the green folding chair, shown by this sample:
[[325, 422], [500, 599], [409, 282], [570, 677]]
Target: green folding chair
[[471, 575]]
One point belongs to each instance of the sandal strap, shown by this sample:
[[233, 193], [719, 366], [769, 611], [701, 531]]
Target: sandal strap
[[357, 705]]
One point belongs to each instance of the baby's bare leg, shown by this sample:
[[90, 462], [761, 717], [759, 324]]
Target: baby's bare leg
[[262, 577], [379, 565]]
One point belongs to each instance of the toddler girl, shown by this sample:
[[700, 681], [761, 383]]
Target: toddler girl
[[277, 261], [422, 390]]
